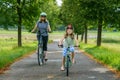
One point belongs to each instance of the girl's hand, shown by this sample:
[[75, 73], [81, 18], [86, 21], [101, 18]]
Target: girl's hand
[[77, 45], [60, 43]]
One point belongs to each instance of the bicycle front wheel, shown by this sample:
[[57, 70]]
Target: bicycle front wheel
[[39, 55], [67, 67]]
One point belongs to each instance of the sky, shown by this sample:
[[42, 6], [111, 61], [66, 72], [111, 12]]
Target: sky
[[59, 2]]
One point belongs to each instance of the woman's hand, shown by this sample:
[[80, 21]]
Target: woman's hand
[[49, 29], [34, 29], [77, 46]]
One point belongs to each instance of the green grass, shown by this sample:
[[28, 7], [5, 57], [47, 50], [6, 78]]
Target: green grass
[[9, 56], [9, 51], [109, 52], [106, 34], [12, 32]]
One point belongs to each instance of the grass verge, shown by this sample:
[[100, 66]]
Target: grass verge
[[9, 51], [106, 55], [9, 56]]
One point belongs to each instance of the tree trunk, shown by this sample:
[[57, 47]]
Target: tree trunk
[[82, 37], [19, 23], [99, 32], [77, 36], [85, 34]]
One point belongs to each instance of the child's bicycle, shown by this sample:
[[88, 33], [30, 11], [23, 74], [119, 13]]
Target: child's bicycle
[[68, 62]]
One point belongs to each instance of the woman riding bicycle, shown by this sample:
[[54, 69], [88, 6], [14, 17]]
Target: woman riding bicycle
[[43, 27]]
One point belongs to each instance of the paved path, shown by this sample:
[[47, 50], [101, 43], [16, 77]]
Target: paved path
[[84, 69]]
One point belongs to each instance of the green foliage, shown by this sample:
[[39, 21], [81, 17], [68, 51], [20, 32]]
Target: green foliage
[[6, 14], [90, 12], [52, 10], [25, 13], [30, 12], [70, 14]]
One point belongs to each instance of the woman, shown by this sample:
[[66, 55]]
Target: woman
[[43, 27]]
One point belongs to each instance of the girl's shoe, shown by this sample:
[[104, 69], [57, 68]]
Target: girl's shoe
[[62, 68], [46, 59], [73, 61]]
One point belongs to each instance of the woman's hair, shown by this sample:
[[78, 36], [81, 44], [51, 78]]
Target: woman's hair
[[44, 20], [66, 34]]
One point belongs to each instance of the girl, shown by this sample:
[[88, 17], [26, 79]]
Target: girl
[[43, 27], [69, 42]]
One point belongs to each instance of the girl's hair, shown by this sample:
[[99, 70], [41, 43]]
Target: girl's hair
[[72, 34]]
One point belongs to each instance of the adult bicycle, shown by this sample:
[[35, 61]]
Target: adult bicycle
[[40, 52]]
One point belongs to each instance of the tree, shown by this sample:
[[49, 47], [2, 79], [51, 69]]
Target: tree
[[20, 11], [85, 12], [98, 11], [15, 13], [6, 13], [25, 13]]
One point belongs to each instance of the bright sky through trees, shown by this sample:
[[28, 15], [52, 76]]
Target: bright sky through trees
[[59, 2]]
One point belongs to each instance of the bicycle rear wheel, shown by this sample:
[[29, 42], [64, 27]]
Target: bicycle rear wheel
[[42, 57]]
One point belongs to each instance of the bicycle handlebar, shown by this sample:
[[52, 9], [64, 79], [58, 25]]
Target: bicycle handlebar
[[61, 46]]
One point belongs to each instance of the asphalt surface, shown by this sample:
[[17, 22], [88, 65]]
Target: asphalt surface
[[84, 69]]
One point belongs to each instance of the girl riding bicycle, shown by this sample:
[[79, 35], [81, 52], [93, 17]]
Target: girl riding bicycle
[[68, 42], [43, 27]]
